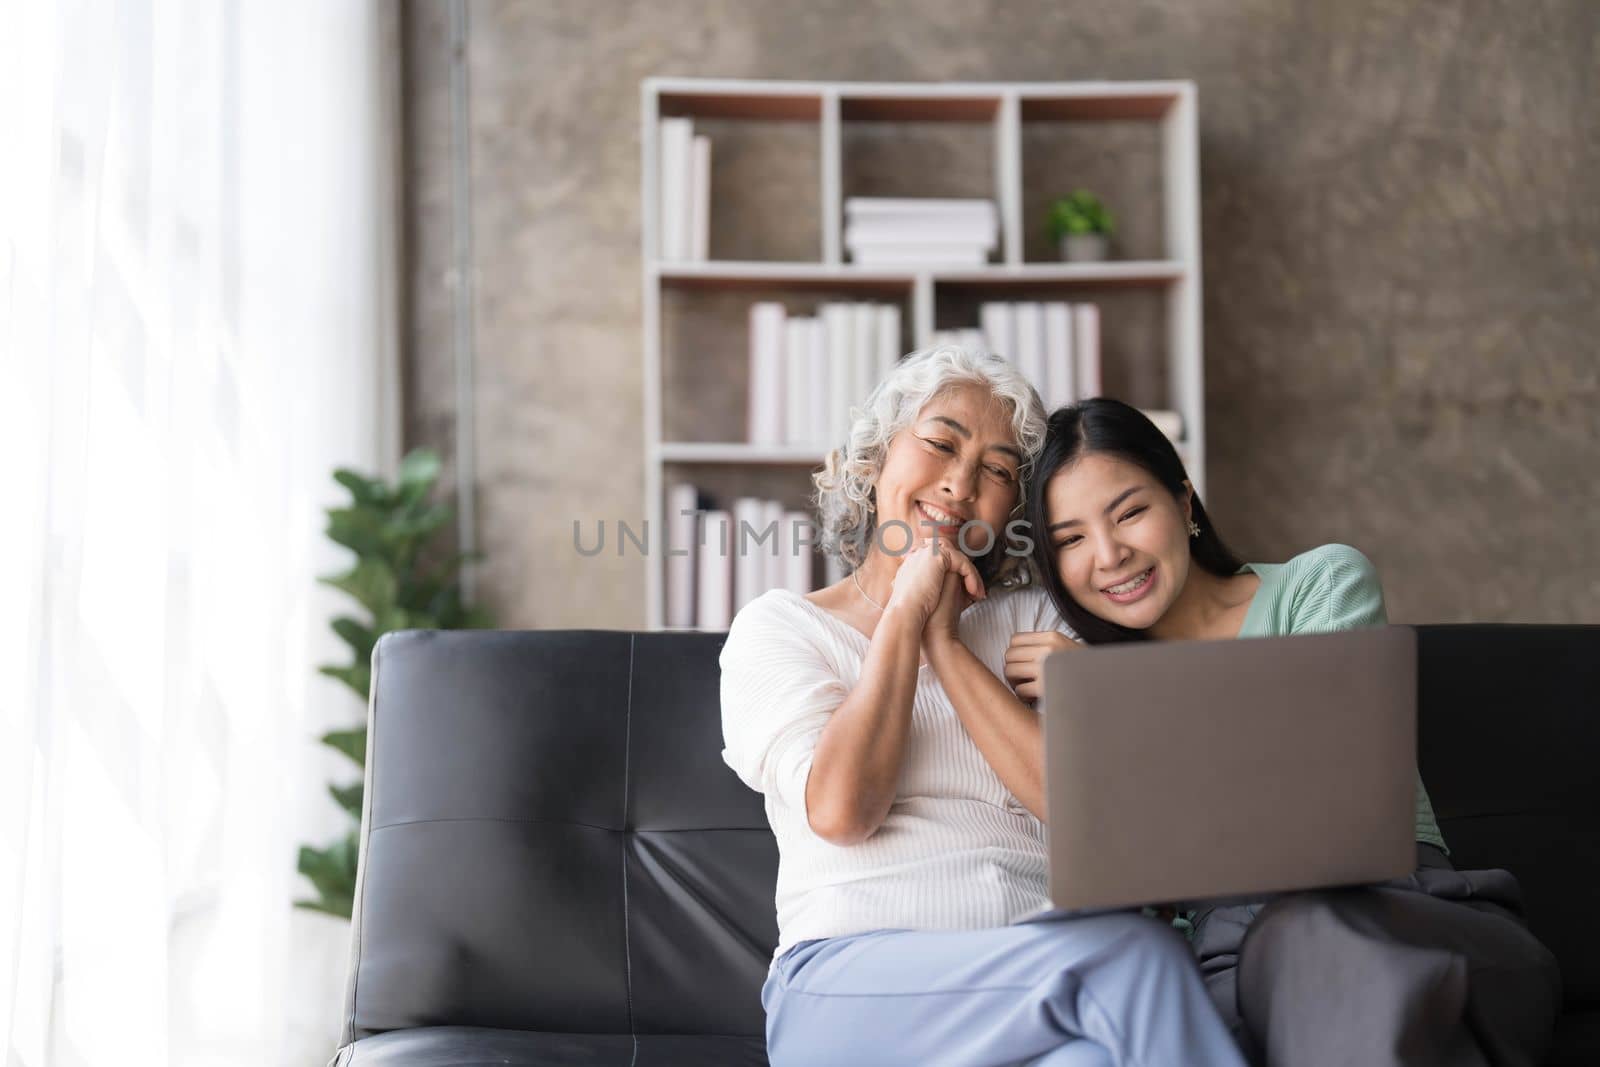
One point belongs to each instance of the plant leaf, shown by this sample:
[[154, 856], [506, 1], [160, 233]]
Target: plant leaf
[[342, 908], [352, 743], [366, 491], [361, 530], [358, 676], [417, 525], [348, 797], [371, 581], [393, 619], [332, 871], [357, 635], [418, 471]]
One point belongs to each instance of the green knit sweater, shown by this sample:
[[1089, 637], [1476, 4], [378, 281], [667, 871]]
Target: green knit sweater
[[1327, 589]]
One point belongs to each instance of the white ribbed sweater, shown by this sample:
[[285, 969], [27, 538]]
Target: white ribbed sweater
[[957, 850]]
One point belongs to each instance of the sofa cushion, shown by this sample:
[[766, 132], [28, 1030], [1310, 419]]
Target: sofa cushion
[[552, 843], [1577, 1040], [471, 1046], [1507, 738]]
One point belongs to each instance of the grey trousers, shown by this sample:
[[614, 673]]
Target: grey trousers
[[1434, 970]]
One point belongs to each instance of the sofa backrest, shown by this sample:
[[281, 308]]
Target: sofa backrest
[[552, 842], [1509, 747]]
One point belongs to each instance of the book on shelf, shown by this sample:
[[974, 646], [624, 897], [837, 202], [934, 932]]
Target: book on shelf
[[700, 199], [734, 555], [863, 352], [929, 255], [771, 545], [1086, 349], [838, 322], [818, 396], [999, 324], [1030, 355], [888, 343], [1054, 344], [682, 526], [1059, 385], [749, 564], [684, 211], [673, 222], [913, 230], [797, 369], [713, 606], [765, 409], [893, 232], [806, 372], [871, 207]]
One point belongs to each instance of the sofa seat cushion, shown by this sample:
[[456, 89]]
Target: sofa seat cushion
[[476, 1046], [1577, 1039]]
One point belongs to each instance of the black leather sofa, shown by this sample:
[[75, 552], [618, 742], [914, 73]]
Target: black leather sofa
[[557, 868]]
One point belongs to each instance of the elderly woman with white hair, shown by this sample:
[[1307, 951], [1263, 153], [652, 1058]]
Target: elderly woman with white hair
[[895, 766]]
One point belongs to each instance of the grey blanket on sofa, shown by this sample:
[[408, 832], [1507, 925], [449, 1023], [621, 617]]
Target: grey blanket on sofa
[[1436, 968]]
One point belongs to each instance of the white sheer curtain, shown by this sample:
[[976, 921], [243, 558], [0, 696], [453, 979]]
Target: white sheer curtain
[[196, 327]]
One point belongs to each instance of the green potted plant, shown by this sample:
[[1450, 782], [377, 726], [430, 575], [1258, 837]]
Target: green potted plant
[[402, 582], [1081, 226]]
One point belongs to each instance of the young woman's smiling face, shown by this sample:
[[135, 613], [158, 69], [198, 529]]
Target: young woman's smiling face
[[1119, 538], [956, 463]]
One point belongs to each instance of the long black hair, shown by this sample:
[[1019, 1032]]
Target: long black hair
[[1109, 427]]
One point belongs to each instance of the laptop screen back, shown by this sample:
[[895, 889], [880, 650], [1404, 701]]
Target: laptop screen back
[[1186, 770]]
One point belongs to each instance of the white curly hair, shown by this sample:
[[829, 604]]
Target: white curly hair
[[845, 498]]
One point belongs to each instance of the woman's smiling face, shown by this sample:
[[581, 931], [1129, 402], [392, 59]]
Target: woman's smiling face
[[958, 462], [1119, 538]]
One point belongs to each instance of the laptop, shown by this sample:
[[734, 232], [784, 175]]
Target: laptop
[[1181, 771]]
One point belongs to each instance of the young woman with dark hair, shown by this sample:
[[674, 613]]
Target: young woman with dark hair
[[1437, 968]]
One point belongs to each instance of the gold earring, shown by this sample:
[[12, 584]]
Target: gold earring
[[1194, 528]]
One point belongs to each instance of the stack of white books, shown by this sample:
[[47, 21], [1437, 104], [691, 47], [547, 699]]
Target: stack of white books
[[807, 371], [885, 232], [684, 215], [1070, 352], [720, 559], [1056, 345]]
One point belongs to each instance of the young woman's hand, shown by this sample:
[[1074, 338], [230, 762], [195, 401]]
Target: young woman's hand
[[1025, 660]]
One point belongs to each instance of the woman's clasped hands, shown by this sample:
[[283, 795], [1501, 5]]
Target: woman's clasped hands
[[937, 581]]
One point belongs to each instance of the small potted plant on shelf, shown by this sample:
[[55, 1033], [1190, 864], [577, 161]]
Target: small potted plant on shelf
[[1082, 226]]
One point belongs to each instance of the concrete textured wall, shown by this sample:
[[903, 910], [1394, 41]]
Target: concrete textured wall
[[1400, 218]]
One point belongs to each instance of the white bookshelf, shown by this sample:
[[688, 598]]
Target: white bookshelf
[[733, 272], [1004, 107]]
